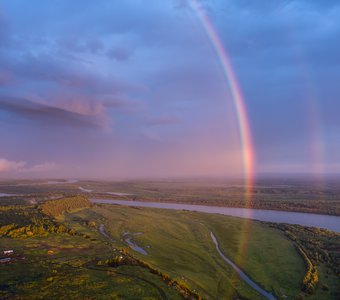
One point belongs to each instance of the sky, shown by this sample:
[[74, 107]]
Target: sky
[[135, 89]]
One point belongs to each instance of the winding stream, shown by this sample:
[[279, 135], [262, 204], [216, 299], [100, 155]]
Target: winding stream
[[241, 273], [135, 246], [104, 233]]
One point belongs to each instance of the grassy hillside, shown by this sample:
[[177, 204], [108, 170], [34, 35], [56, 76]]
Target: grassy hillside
[[179, 244], [49, 263], [62, 267], [85, 253]]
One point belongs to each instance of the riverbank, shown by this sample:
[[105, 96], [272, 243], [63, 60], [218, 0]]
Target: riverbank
[[310, 220]]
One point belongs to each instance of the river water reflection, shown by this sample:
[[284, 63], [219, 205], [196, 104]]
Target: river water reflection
[[305, 219]]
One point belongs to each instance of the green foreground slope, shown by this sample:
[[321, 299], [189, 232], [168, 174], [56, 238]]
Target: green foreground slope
[[77, 256], [179, 244]]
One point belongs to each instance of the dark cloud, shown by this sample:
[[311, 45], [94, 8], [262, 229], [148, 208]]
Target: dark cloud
[[47, 114], [45, 67], [163, 120], [120, 54], [78, 44], [94, 45]]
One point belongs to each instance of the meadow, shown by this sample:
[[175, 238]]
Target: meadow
[[179, 244], [59, 267], [63, 264], [69, 248]]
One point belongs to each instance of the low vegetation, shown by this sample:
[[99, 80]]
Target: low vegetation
[[320, 250], [178, 244], [63, 267], [79, 249], [311, 278], [57, 207], [22, 222], [123, 258], [52, 261]]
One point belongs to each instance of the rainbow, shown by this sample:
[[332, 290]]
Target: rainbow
[[243, 124], [238, 100]]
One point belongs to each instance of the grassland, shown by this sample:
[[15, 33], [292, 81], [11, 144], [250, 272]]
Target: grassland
[[59, 267], [179, 244], [76, 261], [321, 251], [64, 265]]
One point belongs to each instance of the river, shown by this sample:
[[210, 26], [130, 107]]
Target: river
[[241, 273], [304, 219]]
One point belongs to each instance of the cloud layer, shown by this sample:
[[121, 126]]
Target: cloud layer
[[131, 89], [14, 167]]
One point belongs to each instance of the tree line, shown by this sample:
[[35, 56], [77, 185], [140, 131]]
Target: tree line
[[57, 207]]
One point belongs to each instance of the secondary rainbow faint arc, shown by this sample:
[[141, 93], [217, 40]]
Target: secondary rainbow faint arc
[[240, 107]]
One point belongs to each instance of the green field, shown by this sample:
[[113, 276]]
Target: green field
[[180, 244], [68, 273], [77, 262]]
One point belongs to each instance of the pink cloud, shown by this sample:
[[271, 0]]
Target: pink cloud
[[10, 166], [44, 167], [7, 166]]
